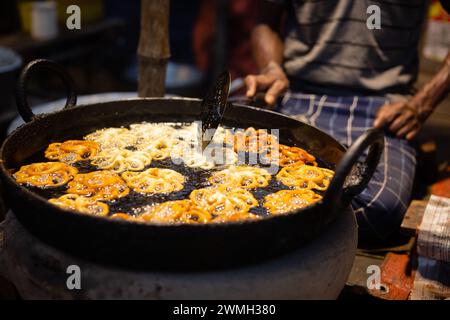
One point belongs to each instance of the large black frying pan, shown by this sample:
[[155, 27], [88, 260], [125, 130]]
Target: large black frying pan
[[131, 244]]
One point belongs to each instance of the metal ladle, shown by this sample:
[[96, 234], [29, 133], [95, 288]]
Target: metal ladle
[[213, 107]]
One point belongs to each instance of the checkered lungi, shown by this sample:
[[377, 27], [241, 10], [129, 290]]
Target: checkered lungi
[[380, 208]]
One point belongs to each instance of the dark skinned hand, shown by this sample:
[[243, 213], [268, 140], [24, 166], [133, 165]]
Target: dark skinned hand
[[272, 80], [404, 119]]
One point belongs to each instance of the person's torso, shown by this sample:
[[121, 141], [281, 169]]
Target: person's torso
[[329, 45]]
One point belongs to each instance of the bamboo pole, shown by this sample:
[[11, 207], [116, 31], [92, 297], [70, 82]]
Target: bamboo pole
[[153, 49]]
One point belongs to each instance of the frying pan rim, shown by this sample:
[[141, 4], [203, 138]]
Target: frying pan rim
[[45, 203], [54, 113]]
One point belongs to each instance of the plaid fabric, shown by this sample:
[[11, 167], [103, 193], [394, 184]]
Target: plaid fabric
[[380, 208]]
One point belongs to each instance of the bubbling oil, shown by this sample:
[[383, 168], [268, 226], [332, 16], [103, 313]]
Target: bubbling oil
[[195, 178]]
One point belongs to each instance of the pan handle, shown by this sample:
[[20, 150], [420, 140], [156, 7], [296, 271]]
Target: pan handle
[[21, 95], [347, 183]]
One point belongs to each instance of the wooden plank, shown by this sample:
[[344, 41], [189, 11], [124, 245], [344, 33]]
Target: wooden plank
[[413, 217]]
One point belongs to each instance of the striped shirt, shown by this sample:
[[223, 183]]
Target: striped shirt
[[329, 49]]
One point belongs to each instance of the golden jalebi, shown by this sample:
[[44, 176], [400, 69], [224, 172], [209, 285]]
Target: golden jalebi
[[291, 155], [224, 200], [252, 140], [71, 151], [177, 211], [242, 176], [289, 200], [45, 174], [302, 176], [154, 180], [100, 185], [81, 204], [120, 160]]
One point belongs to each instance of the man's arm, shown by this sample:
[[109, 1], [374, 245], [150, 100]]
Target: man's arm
[[267, 48], [405, 118]]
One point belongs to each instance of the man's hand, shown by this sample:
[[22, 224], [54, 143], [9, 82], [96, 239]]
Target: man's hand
[[404, 119], [272, 80]]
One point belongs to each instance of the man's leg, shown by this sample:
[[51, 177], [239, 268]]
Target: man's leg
[[381, 206]]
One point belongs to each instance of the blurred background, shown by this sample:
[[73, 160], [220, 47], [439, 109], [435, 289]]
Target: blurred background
[[206, 37]]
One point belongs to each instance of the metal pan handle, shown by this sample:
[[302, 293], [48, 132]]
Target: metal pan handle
[[21, 95], [346, 183]]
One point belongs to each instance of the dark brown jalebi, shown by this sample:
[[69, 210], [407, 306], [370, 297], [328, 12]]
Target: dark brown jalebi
[[302, 176], [45, 174], [99, 185], [289, 200], [81, 204], [72, 150]]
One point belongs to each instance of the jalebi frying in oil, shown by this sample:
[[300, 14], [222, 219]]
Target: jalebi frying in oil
[[99, 185], [71, 151], [291, 155], [81, 204], [224, 200], [303, 176], [177, 211], [289, 200], [252, 140], [242, 177], [154, 180], [45, 174], [120, 160]]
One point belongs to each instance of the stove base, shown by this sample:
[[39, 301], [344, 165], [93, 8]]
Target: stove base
[[318, 270]]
